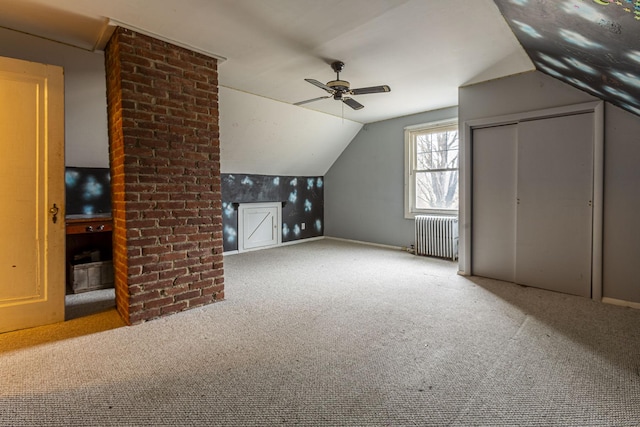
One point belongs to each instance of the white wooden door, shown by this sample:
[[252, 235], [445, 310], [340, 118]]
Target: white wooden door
[[494, 202], [259, 225], [532, 199], [32, 225], [555, 197]]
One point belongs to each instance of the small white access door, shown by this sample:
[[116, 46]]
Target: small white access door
[[259, 225], [32, 225]]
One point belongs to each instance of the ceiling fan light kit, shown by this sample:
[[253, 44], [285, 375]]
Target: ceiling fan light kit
[[339, 89]]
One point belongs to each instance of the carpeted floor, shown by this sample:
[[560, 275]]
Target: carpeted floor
[[330, 333], [88, 303]]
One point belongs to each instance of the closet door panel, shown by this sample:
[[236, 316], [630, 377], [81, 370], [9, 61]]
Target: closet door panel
[[494, 202], [554, 213]]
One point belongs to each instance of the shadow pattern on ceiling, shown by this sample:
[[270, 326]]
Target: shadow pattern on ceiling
[[593, 45]]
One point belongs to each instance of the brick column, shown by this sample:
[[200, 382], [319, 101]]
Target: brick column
[[165, 171]]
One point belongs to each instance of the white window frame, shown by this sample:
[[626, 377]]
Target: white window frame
[[410, 210]]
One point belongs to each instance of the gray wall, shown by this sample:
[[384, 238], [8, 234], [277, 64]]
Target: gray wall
[[86, 138], [516, 94], [621, 245], [533, 91], [364, 189]]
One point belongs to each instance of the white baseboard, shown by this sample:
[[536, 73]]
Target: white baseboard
[[294, 242], [311, 239], [364, 243], [621, 303]]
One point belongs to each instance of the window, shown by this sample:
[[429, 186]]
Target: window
[[431, 169]]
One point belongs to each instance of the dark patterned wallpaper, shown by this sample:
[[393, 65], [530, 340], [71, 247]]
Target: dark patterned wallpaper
[[593, 45], [302, 199], [88, 191]]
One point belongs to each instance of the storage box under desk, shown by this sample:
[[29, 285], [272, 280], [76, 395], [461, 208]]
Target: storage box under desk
[[91, 276], [89, 234]]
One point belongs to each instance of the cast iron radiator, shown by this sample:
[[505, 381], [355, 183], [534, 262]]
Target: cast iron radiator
[[437, 236]]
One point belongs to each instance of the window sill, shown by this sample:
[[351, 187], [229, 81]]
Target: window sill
[[412, 215]]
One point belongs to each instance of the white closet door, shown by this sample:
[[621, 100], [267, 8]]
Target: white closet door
[[494, 202], [554, 213]]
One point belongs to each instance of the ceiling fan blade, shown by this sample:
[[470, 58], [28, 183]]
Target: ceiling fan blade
[[320, 85], [372, 89], [312, 100], [353, 103]]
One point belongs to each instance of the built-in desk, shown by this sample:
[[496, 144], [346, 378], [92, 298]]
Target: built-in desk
[[89, 234]]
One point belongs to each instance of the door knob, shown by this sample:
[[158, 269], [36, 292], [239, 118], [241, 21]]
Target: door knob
[[54, 211]]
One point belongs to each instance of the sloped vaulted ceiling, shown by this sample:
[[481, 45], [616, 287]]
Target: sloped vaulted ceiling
[[423, 49], [593, 45]]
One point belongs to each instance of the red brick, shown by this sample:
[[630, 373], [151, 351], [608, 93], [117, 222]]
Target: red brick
[[184, 279], [212, 274], [175, 308], [201, 284], [141, 223], [138, 316], [200, 221], [173, 273], [174, 239], [143, 297], [186, 229], [173, 256], [165, 160], [156, 267], [134, 271], [160, 302], [157, 231], [174, 290], [188, 295], [159, 284], [185, 246], [170, 222], [198, 237], [203, 300], [143, 242], [185, 263], [143, 279], [155, 196]]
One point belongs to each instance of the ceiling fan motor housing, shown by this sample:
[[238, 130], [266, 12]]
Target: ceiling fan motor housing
[[339, 85]]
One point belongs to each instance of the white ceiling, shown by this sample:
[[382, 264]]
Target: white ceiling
[[252, 124], [423, 49]]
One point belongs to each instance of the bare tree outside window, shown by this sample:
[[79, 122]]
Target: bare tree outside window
[[436, 170]]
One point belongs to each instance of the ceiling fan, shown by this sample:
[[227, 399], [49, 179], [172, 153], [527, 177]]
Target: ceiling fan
[[339, 89]]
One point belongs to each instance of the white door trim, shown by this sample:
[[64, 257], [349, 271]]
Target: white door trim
[[466, 153]]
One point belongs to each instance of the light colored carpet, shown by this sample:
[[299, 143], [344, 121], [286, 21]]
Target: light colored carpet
[[330, 333], [88, 303]]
